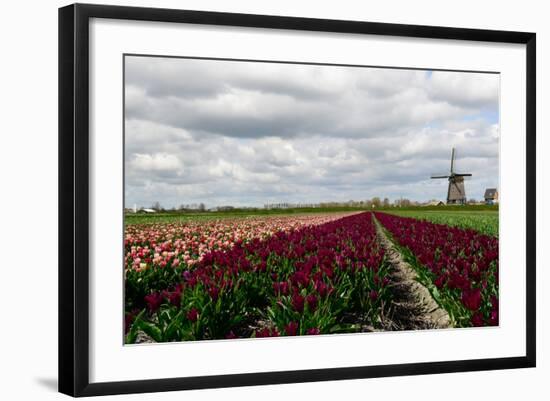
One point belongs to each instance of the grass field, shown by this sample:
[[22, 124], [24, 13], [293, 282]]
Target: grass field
[[481, 217], [484, 221], [178, 217]]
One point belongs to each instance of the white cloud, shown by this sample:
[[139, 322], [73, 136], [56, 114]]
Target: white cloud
[[465, 89], [240, 133], [155, 162]]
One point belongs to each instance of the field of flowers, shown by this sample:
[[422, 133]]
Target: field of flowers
[[156, 255], [296, 275], [254, 277], [458, 266], [485, 222]]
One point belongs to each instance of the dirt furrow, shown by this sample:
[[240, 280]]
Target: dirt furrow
[[413, 307]]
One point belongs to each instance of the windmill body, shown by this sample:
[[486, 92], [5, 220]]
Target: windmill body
[[456, 194]]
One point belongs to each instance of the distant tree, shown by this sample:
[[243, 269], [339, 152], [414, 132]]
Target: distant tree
[[202, 207], [386, 202], [405, 202], [156, 206], [376, 202]]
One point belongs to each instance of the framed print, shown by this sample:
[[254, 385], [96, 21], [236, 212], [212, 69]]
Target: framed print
[[277, 199]]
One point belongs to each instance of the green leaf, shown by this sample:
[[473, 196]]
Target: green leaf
[[132, 334], [435, 293], [171, 330], [151, 330]]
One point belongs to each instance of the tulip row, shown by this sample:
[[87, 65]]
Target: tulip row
[[459, 266], [484, 222], [313, 279], [185, 242], [157, 254]]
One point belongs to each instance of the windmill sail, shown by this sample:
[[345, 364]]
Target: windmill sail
[[452, 160]]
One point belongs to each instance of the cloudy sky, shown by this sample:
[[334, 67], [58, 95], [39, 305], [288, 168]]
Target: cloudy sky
[[248, 133]]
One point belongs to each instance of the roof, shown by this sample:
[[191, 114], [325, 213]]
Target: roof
[[435, 203], [490, 193]]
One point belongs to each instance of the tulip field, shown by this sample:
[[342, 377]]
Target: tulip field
[[304, 274], [459, 267], [485, 222]]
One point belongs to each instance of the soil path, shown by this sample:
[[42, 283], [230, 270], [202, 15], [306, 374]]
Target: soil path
[[413, 307]]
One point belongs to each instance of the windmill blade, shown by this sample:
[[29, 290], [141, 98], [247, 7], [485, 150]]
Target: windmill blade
[[465, 176], [452, 160], [439, 174]]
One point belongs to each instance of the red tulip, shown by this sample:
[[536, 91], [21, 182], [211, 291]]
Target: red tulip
[[230, 335], [477, 320], [291, 329], [472, 299], [298, 302], [193, 315], [373, 295], [154, 300], [493, 318], [311, 302]]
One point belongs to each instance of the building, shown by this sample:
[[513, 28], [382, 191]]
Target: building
[[435, 203], [491, 196]]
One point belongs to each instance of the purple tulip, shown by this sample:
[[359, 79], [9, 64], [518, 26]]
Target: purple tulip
[[472, 299], [373, 295], [311, 302], [230, 335], [193, 315], [477, 319], [154, 300], [291, 329], [298, 302]]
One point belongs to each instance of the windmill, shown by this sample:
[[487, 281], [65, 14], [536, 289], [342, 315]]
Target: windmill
[[456, 195]]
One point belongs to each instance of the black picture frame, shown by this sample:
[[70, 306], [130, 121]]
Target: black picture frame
[[74, 198]]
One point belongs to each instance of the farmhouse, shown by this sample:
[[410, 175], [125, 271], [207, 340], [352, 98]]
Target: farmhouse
[[435, 203], [491, 196]]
